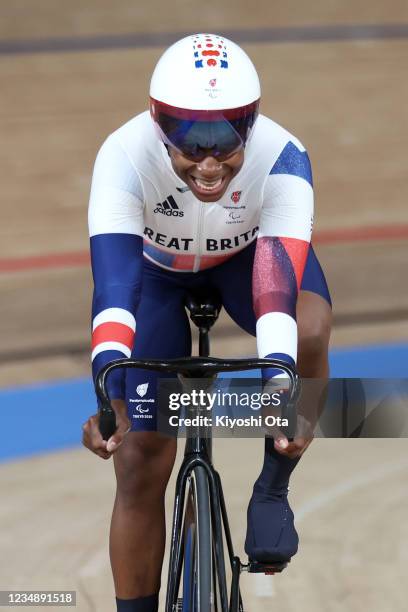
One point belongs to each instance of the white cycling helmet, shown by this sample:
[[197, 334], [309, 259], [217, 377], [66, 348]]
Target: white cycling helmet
[[204, 96]]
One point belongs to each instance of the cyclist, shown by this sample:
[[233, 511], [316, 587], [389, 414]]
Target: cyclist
[[200, 192]]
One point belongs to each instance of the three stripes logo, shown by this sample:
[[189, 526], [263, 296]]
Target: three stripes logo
[[169, 208]]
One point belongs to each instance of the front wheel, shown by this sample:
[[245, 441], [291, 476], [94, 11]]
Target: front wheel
[[197, 545]]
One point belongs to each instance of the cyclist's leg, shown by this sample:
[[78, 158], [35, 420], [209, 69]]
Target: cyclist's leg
[[271, 534], [144, 461]]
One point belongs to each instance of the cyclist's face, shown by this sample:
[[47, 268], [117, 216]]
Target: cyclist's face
[[209, 178]]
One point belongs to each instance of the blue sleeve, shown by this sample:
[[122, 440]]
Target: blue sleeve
[[117, 271]]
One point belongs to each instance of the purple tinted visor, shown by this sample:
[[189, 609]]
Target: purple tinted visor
[[197, 133]]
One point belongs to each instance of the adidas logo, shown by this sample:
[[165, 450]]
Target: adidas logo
[[169, 208]]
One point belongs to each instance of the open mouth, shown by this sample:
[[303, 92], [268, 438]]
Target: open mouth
[[208, 187]]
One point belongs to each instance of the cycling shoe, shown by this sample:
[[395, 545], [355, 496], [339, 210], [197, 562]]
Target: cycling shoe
[[271, 534]]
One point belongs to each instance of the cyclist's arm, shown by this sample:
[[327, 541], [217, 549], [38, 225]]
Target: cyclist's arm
[[281, 252], [116, 230]]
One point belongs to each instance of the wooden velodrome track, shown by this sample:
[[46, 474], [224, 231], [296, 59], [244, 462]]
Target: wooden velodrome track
[[72, 73]]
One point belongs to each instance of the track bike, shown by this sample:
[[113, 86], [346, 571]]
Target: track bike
[[197, 577]]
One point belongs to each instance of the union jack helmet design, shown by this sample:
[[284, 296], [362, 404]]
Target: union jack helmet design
[[204, 94]]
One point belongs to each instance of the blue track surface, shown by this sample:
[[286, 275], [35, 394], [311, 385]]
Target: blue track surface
[[45, 417], [49, 416], [374, 361]]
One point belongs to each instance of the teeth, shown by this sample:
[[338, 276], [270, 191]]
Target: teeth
[[208, 185]]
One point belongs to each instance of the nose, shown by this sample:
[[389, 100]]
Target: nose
[[209, 166]]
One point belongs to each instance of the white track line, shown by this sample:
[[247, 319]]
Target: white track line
[[264, 586], [359, 480], [96, 564]]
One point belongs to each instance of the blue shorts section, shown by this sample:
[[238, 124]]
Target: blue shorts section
[[49, 417], [163, 329], [313, 277]]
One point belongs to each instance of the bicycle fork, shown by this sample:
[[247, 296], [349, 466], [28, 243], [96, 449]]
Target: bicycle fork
[[219, 520]]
